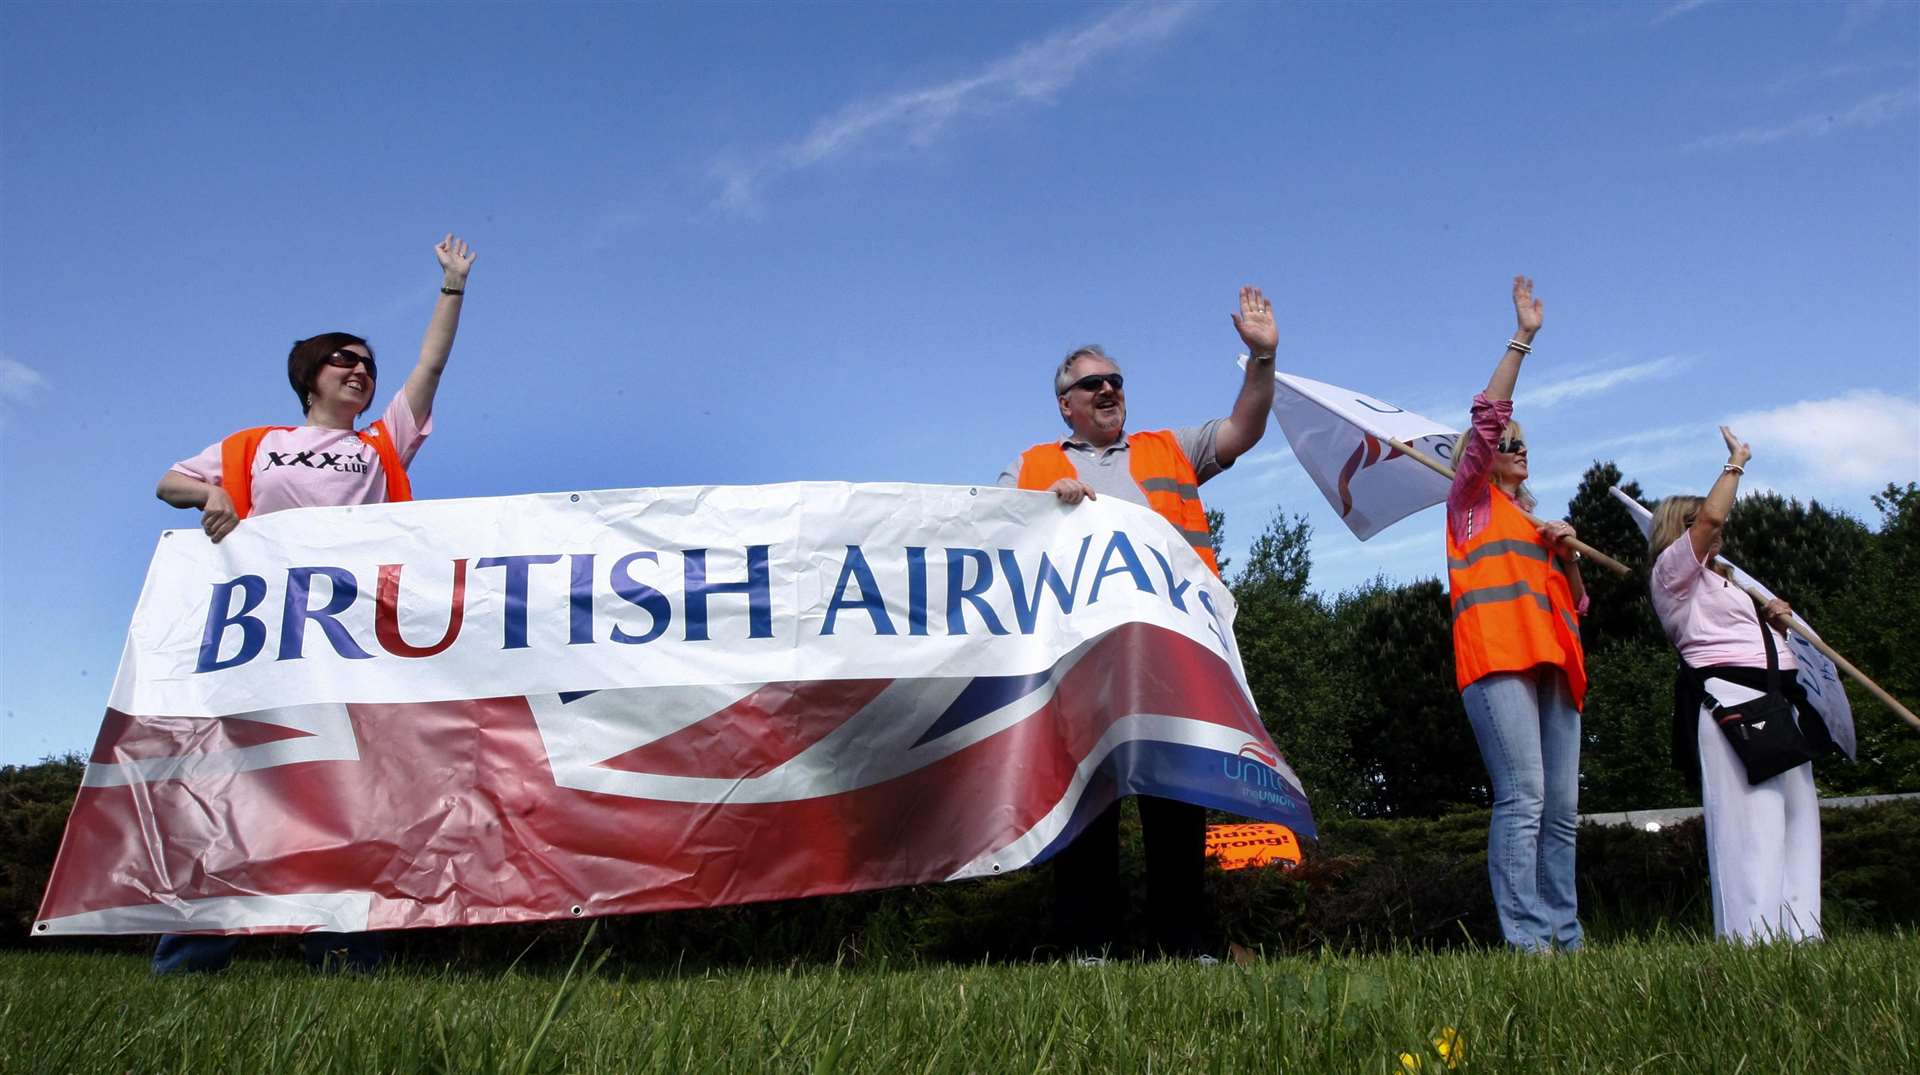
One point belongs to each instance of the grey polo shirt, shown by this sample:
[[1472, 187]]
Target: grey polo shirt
[[1109, 471]]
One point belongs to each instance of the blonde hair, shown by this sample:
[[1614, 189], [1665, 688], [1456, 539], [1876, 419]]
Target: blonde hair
[[1672, 517], [1522, 495]]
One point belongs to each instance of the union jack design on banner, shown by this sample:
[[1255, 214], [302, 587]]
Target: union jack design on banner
[[513, 809], [354, 816]]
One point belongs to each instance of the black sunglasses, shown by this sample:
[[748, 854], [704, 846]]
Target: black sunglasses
[[346, 360], [1512, 447], [1093, 382]]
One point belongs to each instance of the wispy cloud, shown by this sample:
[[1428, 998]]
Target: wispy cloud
[[1677, 9], [1640, 438], [1592, 384], [1860, 440], [1343, 547], [1858, 14], [1870, 111], [1806, 74], [1035, 73], [20, 386], [1270, 469]]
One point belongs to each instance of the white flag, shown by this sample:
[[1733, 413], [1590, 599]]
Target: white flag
[[1340, 436], [1817, 675]]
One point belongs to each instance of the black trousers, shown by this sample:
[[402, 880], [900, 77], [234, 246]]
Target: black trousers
[[1087, 898]]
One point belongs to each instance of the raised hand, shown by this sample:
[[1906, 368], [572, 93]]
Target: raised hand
[[1255, 324], [456, 259], [1738, 452], [1526, 308]]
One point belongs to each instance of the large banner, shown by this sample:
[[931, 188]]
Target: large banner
[[456, 712]]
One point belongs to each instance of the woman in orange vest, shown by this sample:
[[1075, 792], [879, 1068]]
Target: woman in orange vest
[[326, 462], [323, 463], [1516, 593]]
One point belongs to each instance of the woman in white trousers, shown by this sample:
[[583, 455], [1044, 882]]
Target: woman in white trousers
[[1763, 840]]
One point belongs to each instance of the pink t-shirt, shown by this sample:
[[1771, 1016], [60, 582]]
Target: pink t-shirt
[[1709, 619], [311, 467]]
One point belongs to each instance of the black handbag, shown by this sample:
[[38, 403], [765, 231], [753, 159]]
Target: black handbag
[[1763, 730]]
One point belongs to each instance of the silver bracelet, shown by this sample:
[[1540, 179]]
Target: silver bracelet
[[1733, 468], [1516, 345]]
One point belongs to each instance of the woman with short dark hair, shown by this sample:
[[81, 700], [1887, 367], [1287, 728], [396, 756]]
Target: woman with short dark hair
[[325, 462]]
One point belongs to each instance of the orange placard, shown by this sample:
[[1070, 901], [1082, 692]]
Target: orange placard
[[1240, 846]]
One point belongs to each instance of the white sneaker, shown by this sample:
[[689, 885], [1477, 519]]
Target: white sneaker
[[1092, 961], [1207, 960]]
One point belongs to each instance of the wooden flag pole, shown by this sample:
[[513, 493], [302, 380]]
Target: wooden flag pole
[[1797, 627], [1446, 472]]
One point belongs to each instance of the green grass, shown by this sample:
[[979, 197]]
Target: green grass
[[1663, 1005]]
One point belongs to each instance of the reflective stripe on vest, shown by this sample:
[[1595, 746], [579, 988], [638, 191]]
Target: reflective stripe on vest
[[1159, 468], [238, 451], [1512, 607], [1520, 588], [1531, 549]]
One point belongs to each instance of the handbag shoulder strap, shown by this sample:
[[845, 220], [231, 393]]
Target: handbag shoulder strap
[[1773, 658]]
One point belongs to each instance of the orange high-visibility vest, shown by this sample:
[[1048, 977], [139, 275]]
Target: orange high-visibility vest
[[1512, 608], [237, 453], [1158, 466]]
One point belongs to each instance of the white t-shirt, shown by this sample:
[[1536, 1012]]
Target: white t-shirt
[[312, 467]]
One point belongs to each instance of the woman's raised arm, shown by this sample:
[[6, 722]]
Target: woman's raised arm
[[456, 260], [1529, 315], [1712, 516]]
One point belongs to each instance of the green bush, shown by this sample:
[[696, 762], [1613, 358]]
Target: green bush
[[1370, 885], [34, 803]]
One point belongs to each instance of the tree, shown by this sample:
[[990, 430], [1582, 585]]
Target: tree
[[1875, 622], [1409, 737], [1287, 645], [1217, 536], [34, 803], [1805, 554], [1618, 609], [1279, 561], [1626, 729]]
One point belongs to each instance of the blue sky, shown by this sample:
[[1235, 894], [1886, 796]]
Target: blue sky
[[728, 244]]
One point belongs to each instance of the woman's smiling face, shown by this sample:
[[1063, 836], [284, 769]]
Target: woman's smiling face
[[345, 387]]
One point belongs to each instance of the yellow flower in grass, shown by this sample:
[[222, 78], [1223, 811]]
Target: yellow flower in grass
[[1449, 1046]]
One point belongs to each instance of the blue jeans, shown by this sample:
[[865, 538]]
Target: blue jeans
[[1529, 736]]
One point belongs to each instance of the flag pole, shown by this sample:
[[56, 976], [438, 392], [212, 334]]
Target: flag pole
[[1793, 624], [1798, 626], [1446, 472]]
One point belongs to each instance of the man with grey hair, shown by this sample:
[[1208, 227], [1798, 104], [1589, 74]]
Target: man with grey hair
[[1161, 470]]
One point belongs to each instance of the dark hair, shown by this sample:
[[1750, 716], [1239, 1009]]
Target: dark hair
[[308, 355]]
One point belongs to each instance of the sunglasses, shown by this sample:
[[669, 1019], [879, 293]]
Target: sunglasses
[[346, 360], [1512, 447], [1092, 383]]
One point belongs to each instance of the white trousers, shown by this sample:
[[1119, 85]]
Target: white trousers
[[1763, 840]]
